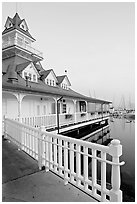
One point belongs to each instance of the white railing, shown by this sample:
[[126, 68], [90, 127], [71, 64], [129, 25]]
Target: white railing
[[70, 159], [50, 121], [66, 119], [81, 116], [21, 44]]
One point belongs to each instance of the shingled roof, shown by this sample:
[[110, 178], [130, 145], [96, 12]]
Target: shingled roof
[[45, 73], [41, 88], [61, 78], [22, 66], [16, 21]]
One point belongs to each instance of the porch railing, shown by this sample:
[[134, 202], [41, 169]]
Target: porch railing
[[21, 44], [76, 161], [49, 121]]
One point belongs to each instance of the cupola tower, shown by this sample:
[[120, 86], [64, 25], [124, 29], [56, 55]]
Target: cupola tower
[[17, 43]]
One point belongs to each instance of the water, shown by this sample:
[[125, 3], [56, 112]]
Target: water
[[124, 130]]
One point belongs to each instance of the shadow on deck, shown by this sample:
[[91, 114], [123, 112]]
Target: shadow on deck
[[23, 182]]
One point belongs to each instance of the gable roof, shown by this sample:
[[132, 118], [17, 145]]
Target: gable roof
[[9, 19], [16, 21], [38, 66], [61, 78], [22, 66], [45, 73]]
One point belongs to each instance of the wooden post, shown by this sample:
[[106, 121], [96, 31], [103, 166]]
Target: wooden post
[[86, 110], [65, 162], [78, 165], [71, 162], [85, 168], [115, 152], [75, 114], [47, 153], [40, 147], [94, 172], [42, 129]]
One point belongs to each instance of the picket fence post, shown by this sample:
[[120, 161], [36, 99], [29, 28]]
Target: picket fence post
[[40, 146], [115, 152]]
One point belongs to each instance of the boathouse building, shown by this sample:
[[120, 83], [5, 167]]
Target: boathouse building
[[37, 105], [32, 94]]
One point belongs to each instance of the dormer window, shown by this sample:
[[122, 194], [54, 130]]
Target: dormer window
[[8, 24], [30, 76], [64, 86], [47, 81], [50, 82], [34, 77], [25, 74], [23, 25]]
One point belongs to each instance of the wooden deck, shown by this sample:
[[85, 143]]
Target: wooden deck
[[23, 182]]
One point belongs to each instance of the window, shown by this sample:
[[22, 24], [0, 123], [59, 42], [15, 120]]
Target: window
[[44, 110], [53, 108], [53, 83], [34, 77], [30, 76], [47, 81], [25, 74], [64, 108], [20, 41], [50, 82]]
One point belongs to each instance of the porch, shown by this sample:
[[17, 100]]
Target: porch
[[50, 112]]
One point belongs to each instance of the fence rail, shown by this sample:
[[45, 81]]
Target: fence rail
[[75, 160], [49, 121], [21, 44]]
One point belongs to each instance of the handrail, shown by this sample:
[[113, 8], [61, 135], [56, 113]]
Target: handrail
[[49, 121], [15, 41], [69, 157]]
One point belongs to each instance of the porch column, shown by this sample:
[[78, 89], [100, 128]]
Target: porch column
[[19, 98], [102, 110], [86, 110], [56, 110], [75, 115]]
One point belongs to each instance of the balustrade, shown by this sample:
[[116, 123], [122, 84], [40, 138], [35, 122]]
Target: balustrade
[[21, 44], [71, 158], [49, 121]]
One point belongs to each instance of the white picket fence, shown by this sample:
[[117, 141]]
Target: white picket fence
[[70, 158]]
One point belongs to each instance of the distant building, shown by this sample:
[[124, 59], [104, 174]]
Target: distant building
[[28, 90]]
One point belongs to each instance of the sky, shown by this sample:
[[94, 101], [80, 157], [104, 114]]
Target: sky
[[94, 42]]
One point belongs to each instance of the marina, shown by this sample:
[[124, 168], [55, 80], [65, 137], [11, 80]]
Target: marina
[[60, 143], [124, 131]]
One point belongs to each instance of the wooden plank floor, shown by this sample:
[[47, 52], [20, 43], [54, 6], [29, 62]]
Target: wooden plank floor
[[23, 182]]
